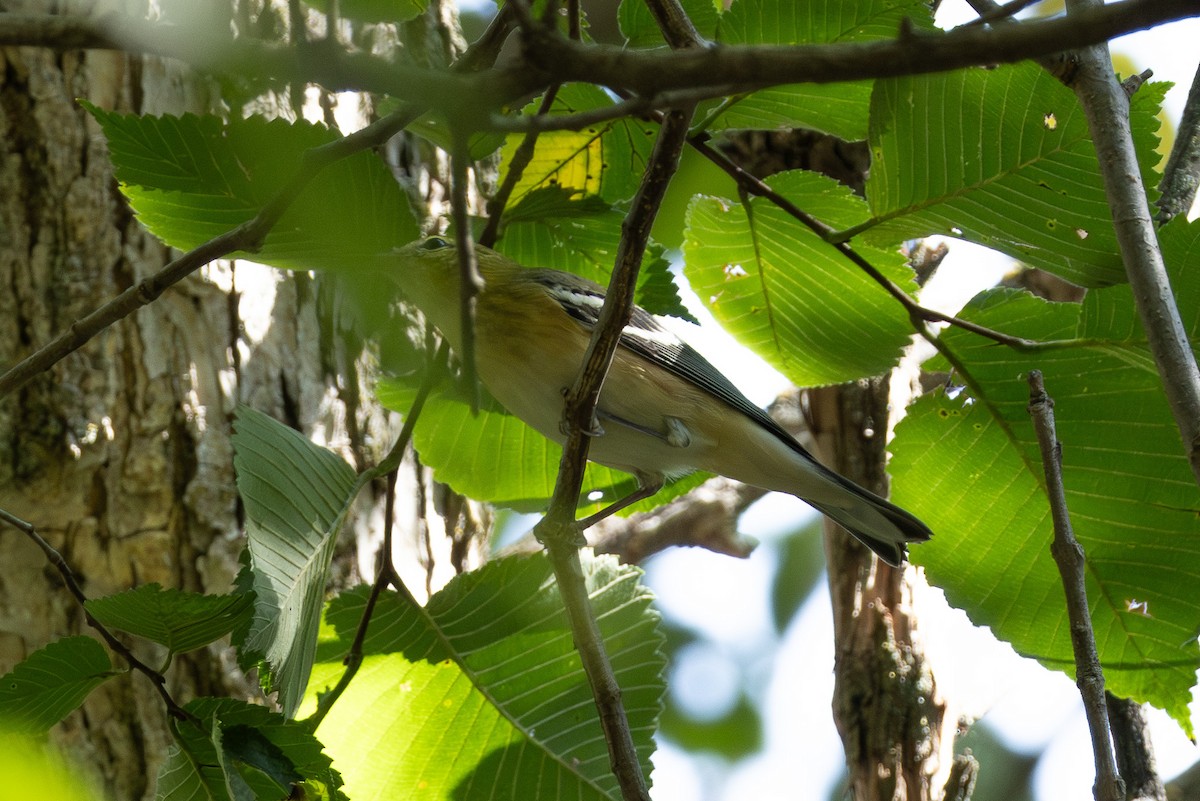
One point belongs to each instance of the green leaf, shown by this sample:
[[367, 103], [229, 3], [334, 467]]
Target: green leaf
[[182, 621], [552, 228], [483, 689], [236, 750], [50, 683], [607, 159], [971, 468], [193, 178], [840, 109], [296, 496], [787, 295], [376, 10], [1001, 157]]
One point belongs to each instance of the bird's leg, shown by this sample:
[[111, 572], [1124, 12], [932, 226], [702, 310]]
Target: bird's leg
[[678, 435], [648, 484]]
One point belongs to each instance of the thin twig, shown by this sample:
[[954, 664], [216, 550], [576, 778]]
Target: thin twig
[[918, 313], [1069, 557], [1107, 110], [629, 106], [470, 282], [1181, 176], [557, 530], [386, 574], [516, 168], [55, 558]]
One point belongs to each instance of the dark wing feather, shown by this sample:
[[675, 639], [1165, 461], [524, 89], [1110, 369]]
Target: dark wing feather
[[648, 338]]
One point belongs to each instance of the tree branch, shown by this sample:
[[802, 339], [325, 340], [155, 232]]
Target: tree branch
[[557, 530], [1181, 176], [750, 67], [1068, 555], [1107, 109], [550, 57]]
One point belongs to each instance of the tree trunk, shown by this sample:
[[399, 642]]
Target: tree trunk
[[885, 702], [120, 455], [885, 706]]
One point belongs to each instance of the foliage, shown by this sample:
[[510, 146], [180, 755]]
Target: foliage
[[480, 689]]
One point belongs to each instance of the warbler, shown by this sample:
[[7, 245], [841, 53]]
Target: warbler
[[664, 410]]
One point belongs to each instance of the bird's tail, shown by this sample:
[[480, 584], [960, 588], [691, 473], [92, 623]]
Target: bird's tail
[[877, 523]]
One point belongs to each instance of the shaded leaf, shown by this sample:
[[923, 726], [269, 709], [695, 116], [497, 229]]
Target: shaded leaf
[[193, 178], [50, 683], [296, 496], [495, 457], [236, 750], [182, 621]]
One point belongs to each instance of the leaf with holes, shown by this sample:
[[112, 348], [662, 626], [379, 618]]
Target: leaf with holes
[[971, 468], [1001, 157]]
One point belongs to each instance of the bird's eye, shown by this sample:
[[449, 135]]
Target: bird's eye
[[434, 243]]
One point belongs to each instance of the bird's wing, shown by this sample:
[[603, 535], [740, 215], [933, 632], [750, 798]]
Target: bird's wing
[[650, 339]]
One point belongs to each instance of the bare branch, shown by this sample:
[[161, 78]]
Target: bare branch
[[1107, 109], [1181, 177], [558, 530], [1068, 555], [749, 67], [551, 57], [706, 518]]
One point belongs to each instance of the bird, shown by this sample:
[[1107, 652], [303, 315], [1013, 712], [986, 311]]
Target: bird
[[664, 410]]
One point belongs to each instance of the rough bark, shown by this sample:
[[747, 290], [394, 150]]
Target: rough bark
[[885, 700], [892, 722], [121, 454]]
